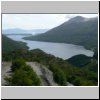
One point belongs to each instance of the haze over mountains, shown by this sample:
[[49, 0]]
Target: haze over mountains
[[23, 31], [78, 30]]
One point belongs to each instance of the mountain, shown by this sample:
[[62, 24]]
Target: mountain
[[77, 30], [79, 60], [76, 19], [22, 31], [85, 62], [39, 31], [10, 45], [82, 61], [13, 31]]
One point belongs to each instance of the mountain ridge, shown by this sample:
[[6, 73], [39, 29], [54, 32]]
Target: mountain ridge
[[80, 33], [24, 31], [10, 45]]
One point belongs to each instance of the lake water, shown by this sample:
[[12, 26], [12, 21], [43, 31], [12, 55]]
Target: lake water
[[62, 50]]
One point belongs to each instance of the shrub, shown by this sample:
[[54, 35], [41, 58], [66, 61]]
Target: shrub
[[59, 75], [23, 75], [17, 63]]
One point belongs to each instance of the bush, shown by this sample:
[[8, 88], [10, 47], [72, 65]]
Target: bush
[[24, 78], [59, 75], [17, 63], [86, 75], [23, 75]]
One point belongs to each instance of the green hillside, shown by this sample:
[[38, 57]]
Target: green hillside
[[10, 45], [82, 61], [79, 60], [78, 70], [88, 64], [63, 71], [78, 30]]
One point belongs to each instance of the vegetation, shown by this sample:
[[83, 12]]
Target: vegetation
[[95, 56], [79, 70], [10, 45], [63, 71], [79, 60], [75, 31], [90, 63], [17, 64], [23, 74], [59, 75]]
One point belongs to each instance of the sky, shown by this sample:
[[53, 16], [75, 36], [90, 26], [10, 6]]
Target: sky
[[37, 21]]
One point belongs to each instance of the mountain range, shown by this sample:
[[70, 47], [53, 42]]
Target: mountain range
[[77, 30], [23, 31], [79, 70]]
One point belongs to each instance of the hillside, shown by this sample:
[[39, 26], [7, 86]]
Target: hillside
[[62, 70], [79, 60], [78, 30], [86, 63], [44, 74], [82, 61], [10, 45]]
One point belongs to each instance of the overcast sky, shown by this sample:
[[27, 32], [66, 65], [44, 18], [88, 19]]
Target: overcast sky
[[37, 21]]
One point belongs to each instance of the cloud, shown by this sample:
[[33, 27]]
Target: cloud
[[32, 21], [68, 16], [36, 21]]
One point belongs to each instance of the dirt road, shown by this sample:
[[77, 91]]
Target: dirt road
[[45, 75], [5, 71]]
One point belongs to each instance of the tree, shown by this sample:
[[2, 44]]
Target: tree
[[59, 75], [17, 63], [23, 75]]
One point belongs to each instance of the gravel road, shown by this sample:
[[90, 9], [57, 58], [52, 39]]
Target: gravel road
[[45, 75], [5, 71]]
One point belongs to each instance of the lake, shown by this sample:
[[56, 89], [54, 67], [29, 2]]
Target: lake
[[61, 50]]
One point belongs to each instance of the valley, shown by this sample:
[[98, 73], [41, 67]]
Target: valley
[[66, 55], [78, 30]]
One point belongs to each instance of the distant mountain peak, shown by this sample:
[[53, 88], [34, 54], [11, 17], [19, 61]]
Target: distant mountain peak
[[77, 19]]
